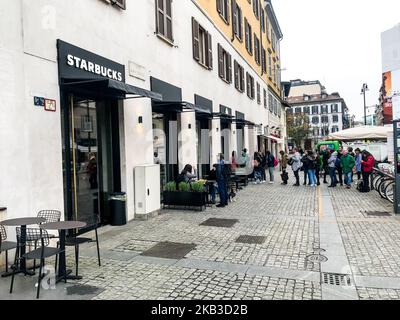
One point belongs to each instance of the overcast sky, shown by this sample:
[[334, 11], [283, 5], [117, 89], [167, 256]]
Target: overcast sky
[[337, 42]]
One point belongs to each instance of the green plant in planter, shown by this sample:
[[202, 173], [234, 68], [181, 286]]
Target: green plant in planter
[[184, 187], [170, 186], [198, 187]]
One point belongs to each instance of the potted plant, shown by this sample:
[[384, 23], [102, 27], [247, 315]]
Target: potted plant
[[185, 194]]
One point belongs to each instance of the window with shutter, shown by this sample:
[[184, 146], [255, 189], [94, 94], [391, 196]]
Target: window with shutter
[[164, 27], [236, 72], [256, 8], [229, 68], [220, 62], [264, 60], [209, 47], [234, 18], [265, 99], [257, 49], [223, 10], [249, 36], [202, 45], [196, 42], [258, 93]]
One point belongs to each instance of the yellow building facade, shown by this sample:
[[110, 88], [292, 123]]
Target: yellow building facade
[[260, 16]]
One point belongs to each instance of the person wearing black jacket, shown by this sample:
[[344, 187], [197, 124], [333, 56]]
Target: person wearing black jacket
[[305, 168], [325, 158], [339, 168]]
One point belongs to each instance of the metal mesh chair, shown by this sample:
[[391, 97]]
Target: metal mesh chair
[[50, 215], [76, 239], [5, 245], [44, 251]]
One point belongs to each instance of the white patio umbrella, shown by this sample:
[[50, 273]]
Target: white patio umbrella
[[360, 133]]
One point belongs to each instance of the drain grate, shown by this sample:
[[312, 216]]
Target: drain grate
[[83, 290], [377, 214], [336, 279], [169, 250], [221, 223], [251, 239], [316, 258]]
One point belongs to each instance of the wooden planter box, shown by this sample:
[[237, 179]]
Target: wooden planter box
[[185, 199]]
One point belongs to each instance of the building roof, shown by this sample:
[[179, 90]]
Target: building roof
[[316, 98]]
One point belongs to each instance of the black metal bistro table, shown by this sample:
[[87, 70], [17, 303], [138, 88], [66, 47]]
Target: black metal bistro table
[[62, 227], [22, 222]]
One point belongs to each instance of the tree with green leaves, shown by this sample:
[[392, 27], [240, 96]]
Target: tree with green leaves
[[298, 127]]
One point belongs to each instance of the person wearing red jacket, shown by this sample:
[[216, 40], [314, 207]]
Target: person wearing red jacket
[[367, 164]]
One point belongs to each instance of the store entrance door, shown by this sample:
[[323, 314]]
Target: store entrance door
[[94, 168]]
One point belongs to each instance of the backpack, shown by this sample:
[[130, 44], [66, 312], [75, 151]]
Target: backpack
[[275, 162], [338, 163], [361, 188]]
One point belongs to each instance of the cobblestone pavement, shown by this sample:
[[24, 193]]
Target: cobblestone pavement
[[219, 267]]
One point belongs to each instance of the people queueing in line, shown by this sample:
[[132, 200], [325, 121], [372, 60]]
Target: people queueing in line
[[347, 165], [296, 164], [367, 164], [332, 164], [284, 163], [358, 158], [270, 159]]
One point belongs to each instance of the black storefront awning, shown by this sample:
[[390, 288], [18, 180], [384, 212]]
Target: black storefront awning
[[114, 88], [223, 116], [172, 106], [242, 122]]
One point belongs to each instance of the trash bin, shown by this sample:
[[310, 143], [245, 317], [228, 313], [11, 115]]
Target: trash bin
[[118, 208]]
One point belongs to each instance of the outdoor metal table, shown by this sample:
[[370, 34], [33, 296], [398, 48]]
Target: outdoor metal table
[[63, 226], [22, 222]]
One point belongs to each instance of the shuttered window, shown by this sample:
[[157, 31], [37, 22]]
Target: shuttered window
[[237, 20], [265, 99], [248, 35], [257, 49], [256, 8], [202, 45], [264, 60], [250, 86], [164, 19], [262, 18], [239, 76], [223, 9], [258, 93], [224, 64]]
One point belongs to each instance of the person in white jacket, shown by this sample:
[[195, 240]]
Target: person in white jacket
[[296, 166], [332, 168]]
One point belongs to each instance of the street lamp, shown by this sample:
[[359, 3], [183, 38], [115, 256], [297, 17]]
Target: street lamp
[[364, 89]]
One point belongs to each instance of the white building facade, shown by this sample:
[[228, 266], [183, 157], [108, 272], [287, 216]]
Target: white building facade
[[326, 114], [91, 90]]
